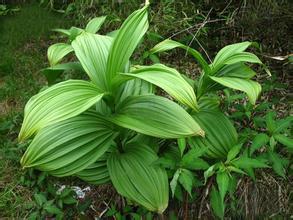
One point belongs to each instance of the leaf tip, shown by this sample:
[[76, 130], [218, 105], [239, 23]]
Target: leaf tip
[[201, 133]]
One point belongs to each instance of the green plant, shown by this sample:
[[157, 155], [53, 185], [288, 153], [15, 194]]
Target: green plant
[[116, 129], [79, 125], [44, 207], [276, 132]]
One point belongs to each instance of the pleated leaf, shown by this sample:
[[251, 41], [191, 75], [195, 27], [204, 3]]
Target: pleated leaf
[[220, 134], [133, 87], [69, 146], [169, 80], [57, 52], [92, 51], [155, 116], [94, 25], [251, 88], [59, 102], [96, 173], [243, 57], [239, 70], [171, 44], [229, 51], [127, 39], [134, 177]]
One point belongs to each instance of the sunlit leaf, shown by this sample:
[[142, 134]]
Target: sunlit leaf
[[229, 51], [92, 51], [57, 103], [126, 40], [69, 146], [171, 44], [251, 88], [93, 26], [155, 116], [56, 52], [169, 80]]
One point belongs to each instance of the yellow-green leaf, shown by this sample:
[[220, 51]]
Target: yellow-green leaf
[[57, 103]]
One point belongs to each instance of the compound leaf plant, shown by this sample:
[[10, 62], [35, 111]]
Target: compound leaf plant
[[112, 127]]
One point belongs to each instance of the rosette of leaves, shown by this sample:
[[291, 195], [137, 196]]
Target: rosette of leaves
[[229, 69], [96, 129]]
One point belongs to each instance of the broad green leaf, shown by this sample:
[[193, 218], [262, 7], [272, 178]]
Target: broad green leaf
[[242, 57], [134, 177], [125, 42], [239, 70], [57, 103], [92, 51], [217, 204], [251, 88], [192, 161], [186, 179], [174, 181], [67, 147], [228, 52], [56, 52], [93, 26], [258, 141], [288, 142], [169, 80], [245, 162], [133, 87], [233, 152], [155, 116], [96, 173], [220, 134], [223, 181], [53, 72], [171, 44]]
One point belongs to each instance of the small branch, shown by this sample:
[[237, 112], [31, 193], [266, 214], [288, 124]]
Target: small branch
[[204, 197], [202, 25], [196, 25]]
